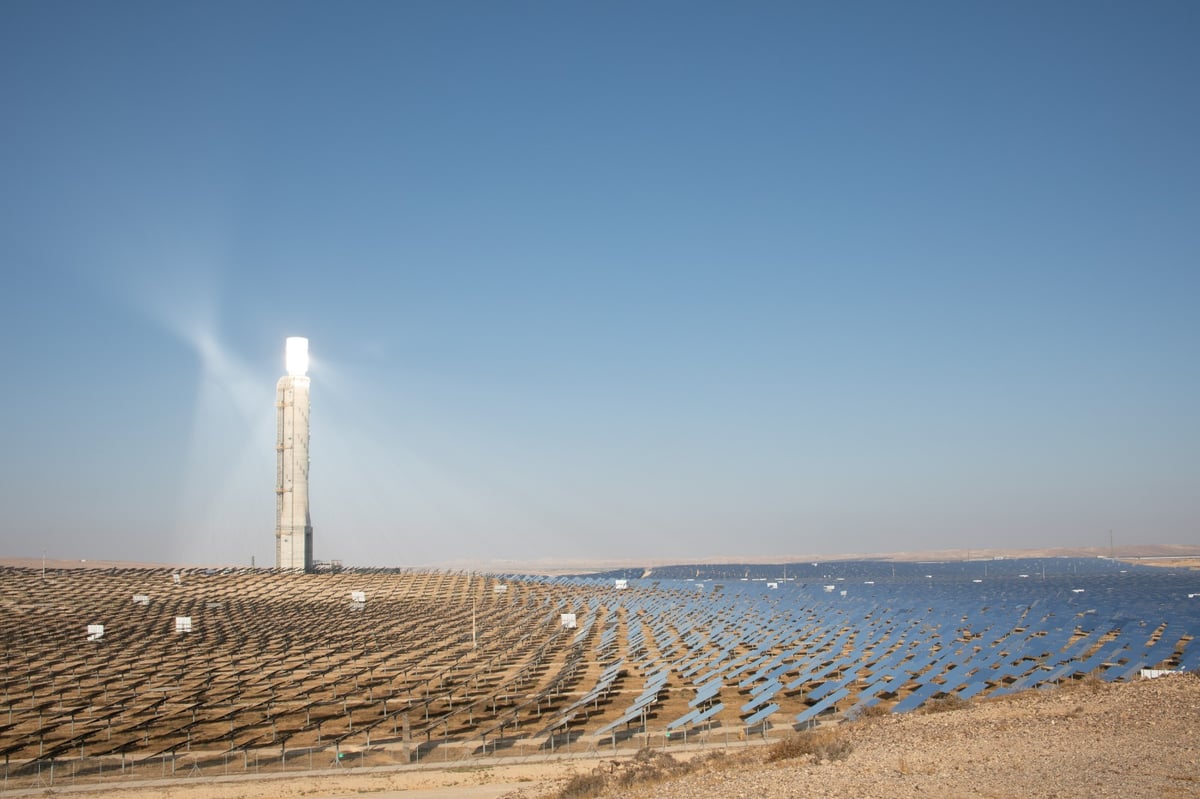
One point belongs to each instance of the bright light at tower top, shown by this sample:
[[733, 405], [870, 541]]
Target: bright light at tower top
[[297, 356]]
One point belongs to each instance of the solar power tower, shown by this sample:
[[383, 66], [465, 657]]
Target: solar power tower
[[293, 524]]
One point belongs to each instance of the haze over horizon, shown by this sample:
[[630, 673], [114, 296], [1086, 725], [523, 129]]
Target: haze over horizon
[[600, 281]]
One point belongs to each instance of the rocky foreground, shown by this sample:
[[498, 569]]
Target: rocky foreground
[[1092, 739]]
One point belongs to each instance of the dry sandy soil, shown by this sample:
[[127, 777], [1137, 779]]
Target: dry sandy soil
[[1090, 739]]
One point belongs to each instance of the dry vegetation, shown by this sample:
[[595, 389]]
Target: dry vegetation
[[822, 744], [944, 704], [648, 766]]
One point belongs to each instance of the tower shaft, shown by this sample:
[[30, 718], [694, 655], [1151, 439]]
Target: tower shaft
[[293, 524]]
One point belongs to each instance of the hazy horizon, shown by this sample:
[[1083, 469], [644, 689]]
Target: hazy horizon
[[600, 281]]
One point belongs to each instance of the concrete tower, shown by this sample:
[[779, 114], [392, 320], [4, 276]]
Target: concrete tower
[[293, 525]]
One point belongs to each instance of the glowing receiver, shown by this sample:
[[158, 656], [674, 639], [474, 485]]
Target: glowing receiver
[[297, 356]]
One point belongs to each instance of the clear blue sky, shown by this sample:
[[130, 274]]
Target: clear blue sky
[[600, 279]]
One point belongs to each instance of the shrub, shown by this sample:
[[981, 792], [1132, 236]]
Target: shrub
[[720, 760], [647, 766], [945, 704], [583, 786], [823, 743], [871, 712], [1091, 683]]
